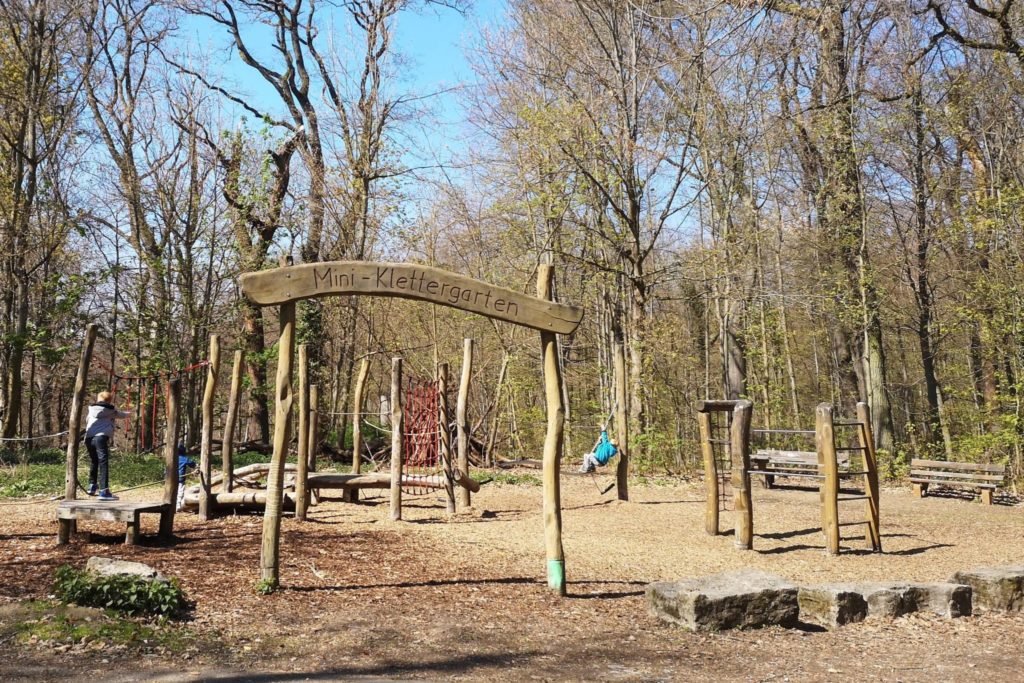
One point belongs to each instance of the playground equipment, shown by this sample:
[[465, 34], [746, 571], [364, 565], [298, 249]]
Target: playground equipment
[[732, 435], [285, 285], [422, 458]]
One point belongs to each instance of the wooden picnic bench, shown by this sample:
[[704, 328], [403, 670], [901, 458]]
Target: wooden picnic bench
[[112, 511], [988, 478], [771, 463]]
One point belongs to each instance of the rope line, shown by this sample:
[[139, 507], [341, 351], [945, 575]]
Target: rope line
[[35, 438]]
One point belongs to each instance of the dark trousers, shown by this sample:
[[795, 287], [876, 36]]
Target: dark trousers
[[99, 457]]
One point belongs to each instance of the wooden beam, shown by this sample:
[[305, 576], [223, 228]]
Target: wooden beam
[[867, 442], [206, 440], [445, 436], [357, 415], [314, 434], [409, 281], [171, 458], [302, 457], [75, 417], [270, 549], [462, 420], [710, 474], [739, 449], [828, 468], [382, 480], [621, 419], [227, 441], [553, 441], [396, 439]]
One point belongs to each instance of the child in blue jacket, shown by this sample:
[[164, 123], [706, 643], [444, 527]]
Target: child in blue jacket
[[185, 464], [604, 450]]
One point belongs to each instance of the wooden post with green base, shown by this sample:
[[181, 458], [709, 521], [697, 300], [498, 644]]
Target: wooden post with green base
[[553, 440]]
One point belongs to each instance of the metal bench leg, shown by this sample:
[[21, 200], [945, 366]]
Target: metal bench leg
[[64, 531], [986, 496]]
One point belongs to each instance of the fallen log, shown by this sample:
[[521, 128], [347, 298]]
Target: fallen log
[[239, 499], [383, 481], [523, 462]]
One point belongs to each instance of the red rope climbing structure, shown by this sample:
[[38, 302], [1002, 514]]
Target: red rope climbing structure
[[421, 434]]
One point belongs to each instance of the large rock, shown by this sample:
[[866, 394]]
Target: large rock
[[106, 566], [835, 605], [995, 588], [832, 605], [738, 599]]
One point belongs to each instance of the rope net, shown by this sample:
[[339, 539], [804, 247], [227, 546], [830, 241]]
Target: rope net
[[421, 432]]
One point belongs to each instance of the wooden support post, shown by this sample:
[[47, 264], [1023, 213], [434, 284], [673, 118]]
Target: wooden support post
[[227, 444], [986, 496], [445, 436], [302, 463], [171, 459], [314, 434], [352, 496], [206, 440], [75, 421], [739, 448], [397, 426], [710, 474], [621, 423], [461, 418], [873, 537], [270, 549], [357, 415], [66, 527], [553, 441], [828, 469]]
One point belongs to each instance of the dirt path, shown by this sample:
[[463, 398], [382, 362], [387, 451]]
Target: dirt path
[[465, 599]]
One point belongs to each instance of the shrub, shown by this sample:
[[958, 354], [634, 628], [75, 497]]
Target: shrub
[[131, 595]]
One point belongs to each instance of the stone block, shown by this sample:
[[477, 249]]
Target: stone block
[[106, 566], [995, 588], [737, 599], [832, 605]]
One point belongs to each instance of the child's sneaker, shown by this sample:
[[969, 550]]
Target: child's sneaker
[[107, 495], [93, 490]]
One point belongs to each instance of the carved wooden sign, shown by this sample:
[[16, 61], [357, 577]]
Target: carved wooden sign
[[408, 281]]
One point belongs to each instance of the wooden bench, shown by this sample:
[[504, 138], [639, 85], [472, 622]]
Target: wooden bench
[[963, 474], [771, 463], [112, 511]]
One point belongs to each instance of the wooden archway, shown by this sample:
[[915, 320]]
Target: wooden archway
[[286, 285]]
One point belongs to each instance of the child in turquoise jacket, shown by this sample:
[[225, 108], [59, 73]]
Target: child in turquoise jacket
[[604, 450]]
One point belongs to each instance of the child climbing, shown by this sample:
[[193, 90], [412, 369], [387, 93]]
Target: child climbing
[[185, 463], [604, 450], [99, 432]]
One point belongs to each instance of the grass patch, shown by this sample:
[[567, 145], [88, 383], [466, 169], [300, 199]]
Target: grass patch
[[40, 621], [512, 479], [42, 472], [132, 595]]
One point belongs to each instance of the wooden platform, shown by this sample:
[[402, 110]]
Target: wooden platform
[[112, 511]]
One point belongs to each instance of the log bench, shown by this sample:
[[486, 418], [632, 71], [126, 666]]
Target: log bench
[[987, 478], [771, 463], [112, 511]]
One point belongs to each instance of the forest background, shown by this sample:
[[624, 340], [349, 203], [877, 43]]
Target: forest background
[[794, 202]]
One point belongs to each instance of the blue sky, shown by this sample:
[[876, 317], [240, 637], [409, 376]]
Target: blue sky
[[431, 40]]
